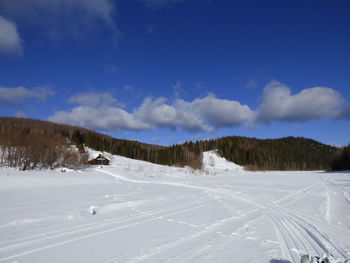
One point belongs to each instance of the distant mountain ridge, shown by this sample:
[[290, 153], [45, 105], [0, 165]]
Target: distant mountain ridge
[[289, 153]]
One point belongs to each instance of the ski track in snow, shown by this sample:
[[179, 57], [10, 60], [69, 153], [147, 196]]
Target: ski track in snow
[[91, 229], [297, 236], [275, 223]]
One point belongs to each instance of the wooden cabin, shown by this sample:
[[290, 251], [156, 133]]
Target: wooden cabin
[[99, 160]]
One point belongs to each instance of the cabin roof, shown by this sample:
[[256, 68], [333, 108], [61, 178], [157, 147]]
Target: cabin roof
[[99, 156]]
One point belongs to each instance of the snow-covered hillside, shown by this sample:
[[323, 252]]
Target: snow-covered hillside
[[152, 213], [213, 163]]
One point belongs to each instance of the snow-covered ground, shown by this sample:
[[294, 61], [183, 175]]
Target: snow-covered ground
[[153, 213]]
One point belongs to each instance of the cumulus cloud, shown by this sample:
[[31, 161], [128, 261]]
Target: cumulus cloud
[[102, 112], [221, 112], [104, 118], [10, 41], [204, 114], [180, 114], [13, 97], [309, 104], [61, 17]]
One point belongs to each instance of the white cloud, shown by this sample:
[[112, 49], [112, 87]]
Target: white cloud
[[61, 17], [102, 112], [221, 112], [156, 112], [13, 97], [309, 104], [204, 114], [180, 114], [10, 41], [102, 118]]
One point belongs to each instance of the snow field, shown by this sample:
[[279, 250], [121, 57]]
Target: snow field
[[153, 213]]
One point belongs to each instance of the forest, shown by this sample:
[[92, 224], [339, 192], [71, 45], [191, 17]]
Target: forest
[[29, 143], [341, 161]]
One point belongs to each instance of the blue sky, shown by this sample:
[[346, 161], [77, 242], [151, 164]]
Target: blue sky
[[167, 71]]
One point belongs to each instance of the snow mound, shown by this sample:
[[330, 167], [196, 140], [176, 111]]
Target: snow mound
[[212, 161], [92, 210]]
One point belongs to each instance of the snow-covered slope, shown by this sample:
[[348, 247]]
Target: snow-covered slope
[[152, 213], [213, 162], [136, 168]]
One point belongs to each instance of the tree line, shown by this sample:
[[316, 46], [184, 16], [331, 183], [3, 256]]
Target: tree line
[[48, 141], [28, 144], [341, 161]]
